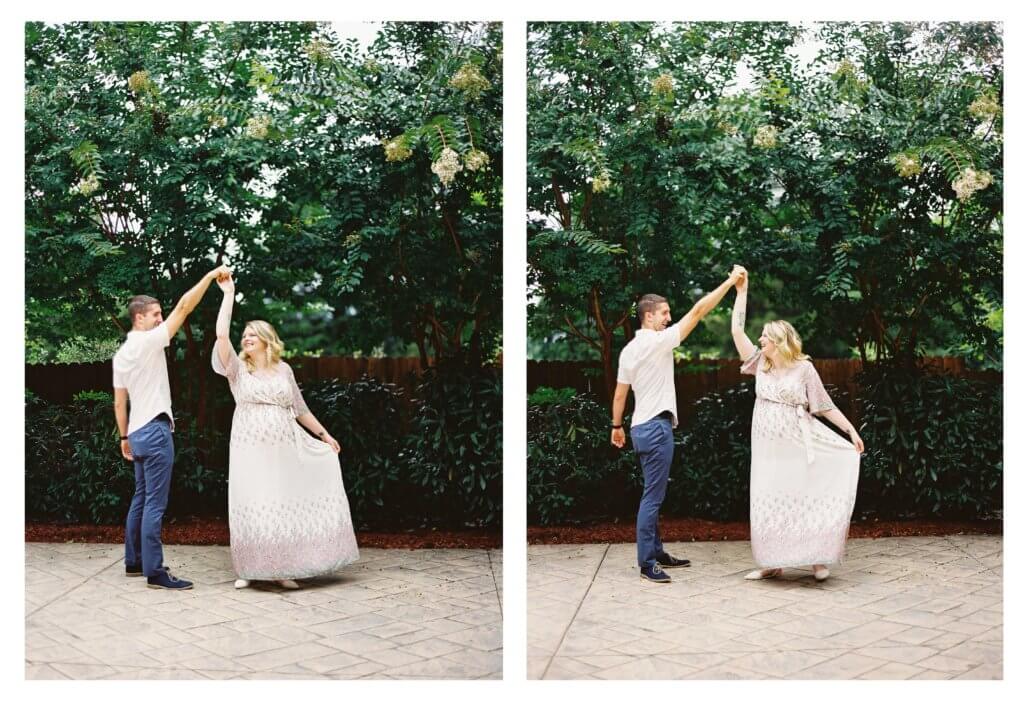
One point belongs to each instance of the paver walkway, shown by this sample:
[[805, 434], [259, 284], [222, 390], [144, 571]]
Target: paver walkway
[[393, 614], [897, 608]]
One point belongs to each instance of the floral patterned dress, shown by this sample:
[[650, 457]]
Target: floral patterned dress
[[287, 509], [803, 477]]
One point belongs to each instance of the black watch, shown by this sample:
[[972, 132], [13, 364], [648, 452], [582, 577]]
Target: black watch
[[124, 438], [614, 426]]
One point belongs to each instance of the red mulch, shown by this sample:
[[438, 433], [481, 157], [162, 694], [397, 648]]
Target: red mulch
[[214, 531], [694, 529]]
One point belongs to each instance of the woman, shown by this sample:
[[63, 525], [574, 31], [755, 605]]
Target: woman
[[287, 509], [803, 477]]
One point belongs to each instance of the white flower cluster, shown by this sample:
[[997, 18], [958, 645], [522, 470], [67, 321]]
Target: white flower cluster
[[33, 96], [139, 82], [446, 166], [846, 69], [217, 120], [727, 128], [477, 160], [396, 149], [985, 107], [969, 182], [257, 126], [767, 136], [907, 165], [86, 186], [663, 85], [318, 51], [353, 240], [602, 181], [469, 79]]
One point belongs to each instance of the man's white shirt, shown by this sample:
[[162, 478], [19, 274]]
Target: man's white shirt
[[647, 365], [140, 366]]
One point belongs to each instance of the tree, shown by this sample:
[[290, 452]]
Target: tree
[[863, 191], [155, 151], [890, 155], [416, 168], [635, 178]]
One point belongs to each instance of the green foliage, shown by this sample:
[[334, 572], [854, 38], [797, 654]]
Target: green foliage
[[619, 165], [934, 445], [453, 450], [155, 150], [712, 457], [934, 449], [437, 463], [366, 417], [586, 240], [74, 470], [549, 395], [863, 190], [573, 472]]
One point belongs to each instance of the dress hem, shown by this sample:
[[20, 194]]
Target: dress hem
[[303, 574]]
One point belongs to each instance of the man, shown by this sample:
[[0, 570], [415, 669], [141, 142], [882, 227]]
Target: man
[[646, 364], [140, 373]]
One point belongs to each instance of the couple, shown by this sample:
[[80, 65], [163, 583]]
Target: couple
[[803, 477], [287, 509]]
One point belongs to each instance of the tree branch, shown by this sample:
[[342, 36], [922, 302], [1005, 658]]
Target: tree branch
[[563, 209], [451, 230], [576, 332]]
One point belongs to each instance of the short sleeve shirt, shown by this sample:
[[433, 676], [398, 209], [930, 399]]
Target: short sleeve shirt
[[647, 365], [140, 366]]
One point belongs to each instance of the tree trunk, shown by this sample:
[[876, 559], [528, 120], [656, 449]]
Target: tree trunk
[[608, 366]]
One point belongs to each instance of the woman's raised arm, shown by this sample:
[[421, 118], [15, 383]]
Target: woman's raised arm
[[744, 346]]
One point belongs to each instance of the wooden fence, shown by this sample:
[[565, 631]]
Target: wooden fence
[[695, 378], [60, 382]]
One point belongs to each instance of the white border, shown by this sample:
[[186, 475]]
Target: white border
[[514, 17]]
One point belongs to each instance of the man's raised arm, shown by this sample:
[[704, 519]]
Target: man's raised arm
[[191, 299], [708, 302]]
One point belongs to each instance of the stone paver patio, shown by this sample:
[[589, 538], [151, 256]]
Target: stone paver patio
[[897, 608], [394, 614]]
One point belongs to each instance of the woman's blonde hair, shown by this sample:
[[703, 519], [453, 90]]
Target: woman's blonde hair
[[787, 342], [266, 333]]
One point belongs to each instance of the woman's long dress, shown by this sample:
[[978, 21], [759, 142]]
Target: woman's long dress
[[803, 477], [287, 509]]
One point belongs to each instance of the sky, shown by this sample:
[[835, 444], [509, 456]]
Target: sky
[[365, 32]]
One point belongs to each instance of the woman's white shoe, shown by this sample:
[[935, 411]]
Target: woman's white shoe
[[764, 574], [241, 583], [288, 583], [821, 573]]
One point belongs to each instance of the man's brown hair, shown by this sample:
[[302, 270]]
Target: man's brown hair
[[648, 303], [139, 305]]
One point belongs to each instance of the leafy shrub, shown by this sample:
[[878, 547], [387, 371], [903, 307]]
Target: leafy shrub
[[453, 451], [366, 418], [934, 448], [437, 464], [199, 485], [712, 458], [550, 395], [573, 471], [74, 470], [934, 445]]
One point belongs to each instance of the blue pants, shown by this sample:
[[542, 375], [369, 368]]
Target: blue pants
[[652, 441], [153, 449]]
